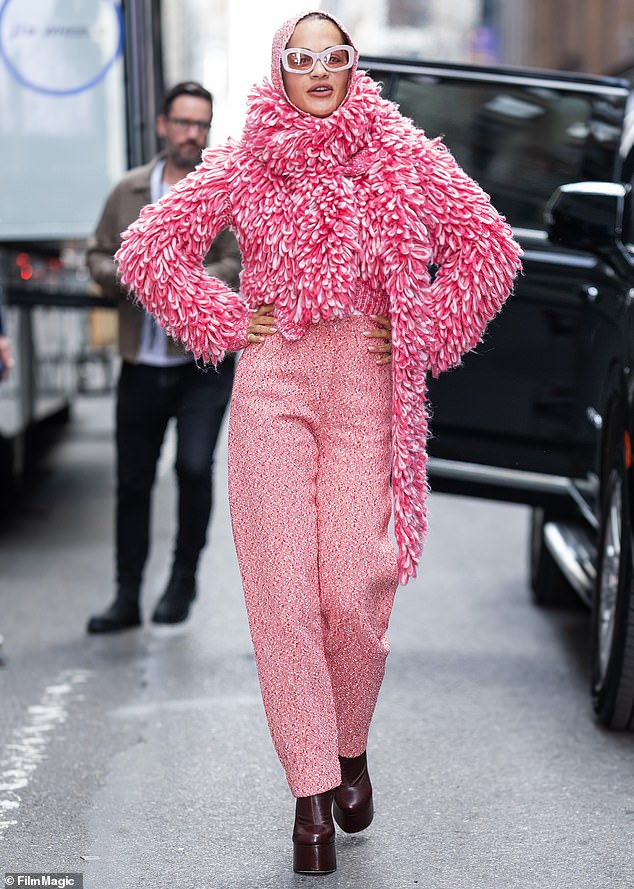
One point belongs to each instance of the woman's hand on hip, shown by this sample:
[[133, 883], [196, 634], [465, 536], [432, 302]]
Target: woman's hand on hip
[[381, 339], [261, 324]]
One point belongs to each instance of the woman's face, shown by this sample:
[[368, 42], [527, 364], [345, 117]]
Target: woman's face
[[321, 92]]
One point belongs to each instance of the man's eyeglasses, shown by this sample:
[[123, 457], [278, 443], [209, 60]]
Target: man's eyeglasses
[[180, 123], [302, 61]]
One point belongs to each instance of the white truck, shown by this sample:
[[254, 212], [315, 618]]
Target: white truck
[[77, 110]]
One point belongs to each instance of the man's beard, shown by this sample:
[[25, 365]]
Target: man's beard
[[185, 160]]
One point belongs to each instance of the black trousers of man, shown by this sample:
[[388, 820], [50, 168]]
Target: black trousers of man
[[147, 398]]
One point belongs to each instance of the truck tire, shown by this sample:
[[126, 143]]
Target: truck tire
[[549, 587], [613, 607]]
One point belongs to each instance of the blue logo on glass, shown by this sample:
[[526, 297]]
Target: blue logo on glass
[[52, 31]]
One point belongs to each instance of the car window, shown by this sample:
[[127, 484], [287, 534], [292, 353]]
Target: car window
[[519, 142]]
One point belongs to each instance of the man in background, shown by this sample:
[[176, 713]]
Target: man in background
[[6, 357], [159, 380]]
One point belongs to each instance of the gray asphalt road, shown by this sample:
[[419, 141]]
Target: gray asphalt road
[[144, 760]]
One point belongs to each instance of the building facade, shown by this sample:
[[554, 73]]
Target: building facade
[[595, 36]]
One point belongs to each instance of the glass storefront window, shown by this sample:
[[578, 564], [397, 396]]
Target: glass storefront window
[[62, 127]]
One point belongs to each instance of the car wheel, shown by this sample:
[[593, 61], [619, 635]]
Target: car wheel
[[613, 608], [549, 586]]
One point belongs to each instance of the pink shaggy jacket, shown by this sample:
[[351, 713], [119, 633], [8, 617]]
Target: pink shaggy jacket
[[334, 215]]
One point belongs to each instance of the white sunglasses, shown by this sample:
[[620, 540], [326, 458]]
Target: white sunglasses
[[302, 61]]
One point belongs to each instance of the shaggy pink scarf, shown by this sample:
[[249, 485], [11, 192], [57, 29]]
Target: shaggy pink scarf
[[334, 215]]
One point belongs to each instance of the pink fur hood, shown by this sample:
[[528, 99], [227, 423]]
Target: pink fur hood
[[333, 215]]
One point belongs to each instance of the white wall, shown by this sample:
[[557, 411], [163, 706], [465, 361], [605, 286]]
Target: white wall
[[251, 26], [226, 44]]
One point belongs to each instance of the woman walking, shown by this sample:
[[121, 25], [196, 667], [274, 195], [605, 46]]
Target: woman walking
[[340, 206]]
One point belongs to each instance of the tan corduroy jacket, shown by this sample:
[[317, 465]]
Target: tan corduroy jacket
[[122, 207]]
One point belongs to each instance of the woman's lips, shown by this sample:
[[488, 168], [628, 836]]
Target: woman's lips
[[321, 90]]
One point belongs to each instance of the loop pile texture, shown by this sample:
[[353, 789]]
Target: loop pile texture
[[334, 215]]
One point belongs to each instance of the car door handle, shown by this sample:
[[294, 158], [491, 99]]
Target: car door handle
[[590, 292]]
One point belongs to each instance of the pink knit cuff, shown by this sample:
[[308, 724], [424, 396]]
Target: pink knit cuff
[[370, 302], [237, 338]]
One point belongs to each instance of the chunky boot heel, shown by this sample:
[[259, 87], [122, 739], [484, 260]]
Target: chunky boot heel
[[318, 859], [314, 835], [354, 822], [353, 807]]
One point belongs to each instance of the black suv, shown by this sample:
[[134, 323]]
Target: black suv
[[542, 412]]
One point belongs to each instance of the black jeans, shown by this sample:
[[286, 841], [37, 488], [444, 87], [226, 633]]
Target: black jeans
[[147, 398]]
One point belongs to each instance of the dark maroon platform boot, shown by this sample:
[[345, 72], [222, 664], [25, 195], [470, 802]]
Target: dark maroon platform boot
[[314, 835], [353, 807]]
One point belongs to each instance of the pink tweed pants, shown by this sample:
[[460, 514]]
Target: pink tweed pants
[[309, 489]]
